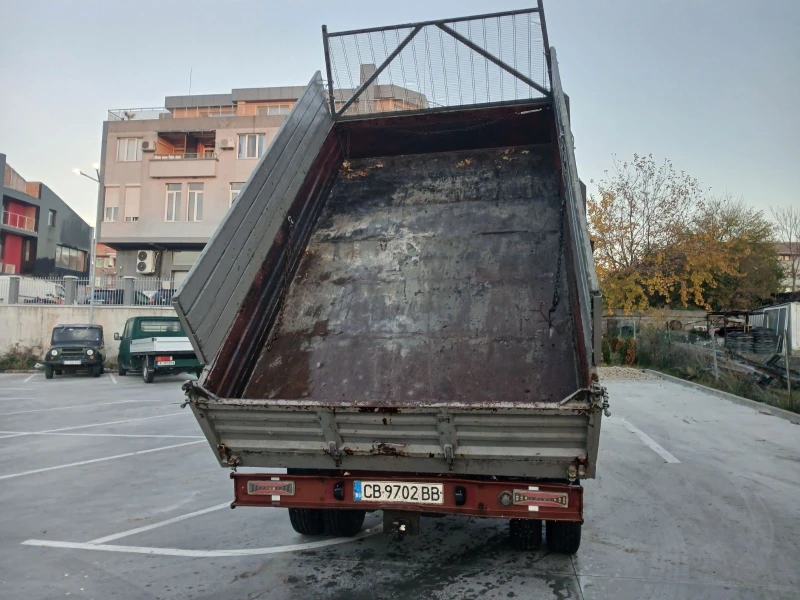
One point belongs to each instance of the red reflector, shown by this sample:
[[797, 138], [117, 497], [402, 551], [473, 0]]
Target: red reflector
[[163, 358]]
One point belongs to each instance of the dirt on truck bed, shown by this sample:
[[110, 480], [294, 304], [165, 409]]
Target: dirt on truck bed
[[429, 278]]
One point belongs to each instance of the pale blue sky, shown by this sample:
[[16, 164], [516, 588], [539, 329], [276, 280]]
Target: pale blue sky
[[711, 85]]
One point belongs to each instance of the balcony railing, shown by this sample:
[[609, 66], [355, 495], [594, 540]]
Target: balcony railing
[[138, 114], [143, 114], [186, 156], [19, 221]]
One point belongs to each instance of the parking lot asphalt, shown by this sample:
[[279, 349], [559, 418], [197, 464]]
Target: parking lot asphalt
[[109, 490]]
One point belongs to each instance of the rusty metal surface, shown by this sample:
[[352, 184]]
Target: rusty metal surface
[[519, 440], [483, 497], [429, 278]]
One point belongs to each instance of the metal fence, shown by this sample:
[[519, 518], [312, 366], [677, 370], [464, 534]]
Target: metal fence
[[108, 290], [473, 60]]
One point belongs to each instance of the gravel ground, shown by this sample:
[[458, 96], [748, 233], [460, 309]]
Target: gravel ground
[[608, 373]]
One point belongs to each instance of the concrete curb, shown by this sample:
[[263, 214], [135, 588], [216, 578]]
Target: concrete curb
[[759, 406]]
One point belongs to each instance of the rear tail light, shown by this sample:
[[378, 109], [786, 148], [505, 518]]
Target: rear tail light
[[163, 358]]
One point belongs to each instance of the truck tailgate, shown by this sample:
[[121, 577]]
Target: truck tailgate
[[161, 344]]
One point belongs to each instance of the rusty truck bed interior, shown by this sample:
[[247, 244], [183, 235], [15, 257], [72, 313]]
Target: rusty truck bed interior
[[429, 274]]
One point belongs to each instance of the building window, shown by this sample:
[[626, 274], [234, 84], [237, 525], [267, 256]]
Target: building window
[[129, 149], [275, 109], [173, 208], [236, 189], [251, 145], [70, 258], [195, 202], [111, 204], [98, 263], [26, 251], [51, 218], [132, 194]]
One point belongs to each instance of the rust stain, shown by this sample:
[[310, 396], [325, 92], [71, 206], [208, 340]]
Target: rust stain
[[388, 449]]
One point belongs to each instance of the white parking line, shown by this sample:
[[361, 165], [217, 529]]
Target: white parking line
[[96, 460], [197, 513], [206, 553], [649, 442], [119, 435], [114, 379], [30, 377], [93, 425], [22, 412]]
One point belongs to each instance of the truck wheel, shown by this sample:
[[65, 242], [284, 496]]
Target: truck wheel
[[97, 370], [563, 537], [48, 371], [343, 523], [307, 521], [525, 534], [121, 372], [148, 374]]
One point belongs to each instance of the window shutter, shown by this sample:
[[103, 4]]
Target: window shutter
[[132, 195], [112, 196]]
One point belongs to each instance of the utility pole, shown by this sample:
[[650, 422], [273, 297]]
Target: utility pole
[[714, 351], [95, 230], [786, 360]]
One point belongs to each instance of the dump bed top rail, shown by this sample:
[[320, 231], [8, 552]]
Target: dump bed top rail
[[430, 65]]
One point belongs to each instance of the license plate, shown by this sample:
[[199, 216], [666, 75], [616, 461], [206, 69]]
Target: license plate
[[165, 363], [72, 362], [398, 492]]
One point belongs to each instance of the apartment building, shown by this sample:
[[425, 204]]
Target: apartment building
[[789, 257], [105, 267], [170, 174], [40, 235]]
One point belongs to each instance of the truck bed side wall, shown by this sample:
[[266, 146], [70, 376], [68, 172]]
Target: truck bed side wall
[[295, 171]]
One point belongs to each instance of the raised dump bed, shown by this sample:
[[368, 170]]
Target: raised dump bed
[[408, 300]]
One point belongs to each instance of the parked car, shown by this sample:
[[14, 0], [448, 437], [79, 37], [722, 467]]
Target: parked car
[[162, 298], [75, 348], [155, 345], [33, 291], [117, 297]]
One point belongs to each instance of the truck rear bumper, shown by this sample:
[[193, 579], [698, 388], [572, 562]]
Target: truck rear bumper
[[490, 497]]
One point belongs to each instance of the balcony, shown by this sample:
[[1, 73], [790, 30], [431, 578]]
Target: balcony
[[186, 165], [19, 221]]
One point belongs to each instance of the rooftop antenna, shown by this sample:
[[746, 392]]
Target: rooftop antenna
[[190, 81]]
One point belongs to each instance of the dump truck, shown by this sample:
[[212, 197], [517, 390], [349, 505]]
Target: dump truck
[[401, 307]]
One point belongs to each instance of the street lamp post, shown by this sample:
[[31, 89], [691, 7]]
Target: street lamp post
[[95, 231]]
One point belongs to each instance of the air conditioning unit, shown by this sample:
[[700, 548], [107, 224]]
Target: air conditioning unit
[[148, 145], [227, 144], [145, 262]]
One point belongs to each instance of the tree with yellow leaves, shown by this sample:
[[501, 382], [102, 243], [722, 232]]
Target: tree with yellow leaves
[[659, 240]]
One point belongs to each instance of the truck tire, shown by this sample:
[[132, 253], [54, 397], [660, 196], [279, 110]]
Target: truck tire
[[525, 534], [48, 371], [563, 537], [343, 523], [307, 521], [97, 370], [148, 373], [121, 371]]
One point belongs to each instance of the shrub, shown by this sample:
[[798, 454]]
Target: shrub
[[18, 359]]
